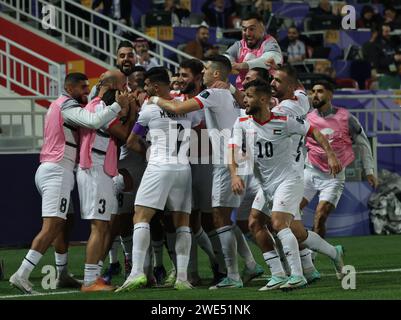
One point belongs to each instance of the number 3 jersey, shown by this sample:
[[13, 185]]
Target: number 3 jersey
[[169, 135], [269, 145]]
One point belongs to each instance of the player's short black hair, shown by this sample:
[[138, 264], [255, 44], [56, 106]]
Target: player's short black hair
[[253, 15], [158, 75], [125, 44], [290, 71], [138, 69], [325, 84], [221, 63], [75, 78], [109, 97], [263, 74], [260, 86], [195, 65]]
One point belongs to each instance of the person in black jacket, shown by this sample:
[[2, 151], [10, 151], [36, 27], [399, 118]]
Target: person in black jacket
[[217, 14]]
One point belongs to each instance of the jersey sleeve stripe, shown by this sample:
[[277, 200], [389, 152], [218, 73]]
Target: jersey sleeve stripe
[[199, 102]]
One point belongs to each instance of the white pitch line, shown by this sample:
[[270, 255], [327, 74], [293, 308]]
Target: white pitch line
[[367, 272], [69, 292], [37, 294]]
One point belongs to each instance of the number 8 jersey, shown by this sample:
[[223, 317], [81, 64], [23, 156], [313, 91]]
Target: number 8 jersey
[[269, 146]]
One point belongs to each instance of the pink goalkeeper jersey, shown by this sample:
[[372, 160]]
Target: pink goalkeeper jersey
[[60, 140], [91, 142], [335, 128]]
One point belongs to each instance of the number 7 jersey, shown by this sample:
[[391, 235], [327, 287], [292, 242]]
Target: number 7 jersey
[[169, 135], [269, 146]]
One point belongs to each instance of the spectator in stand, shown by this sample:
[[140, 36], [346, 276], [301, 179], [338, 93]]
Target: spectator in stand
[[143, 58], [295, 48], [369, 19], [217, 14], [323, 9], [200, 48], [385, 52], [177, 12], [392, 18]]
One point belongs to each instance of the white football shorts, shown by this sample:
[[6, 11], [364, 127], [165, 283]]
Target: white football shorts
[[161, 188], [54, 183], [97, 195], [330, 189]]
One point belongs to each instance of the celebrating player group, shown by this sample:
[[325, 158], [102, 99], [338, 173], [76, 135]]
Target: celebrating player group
[[208, 165]]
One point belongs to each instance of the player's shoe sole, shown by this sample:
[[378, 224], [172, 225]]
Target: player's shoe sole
[[134, 283]]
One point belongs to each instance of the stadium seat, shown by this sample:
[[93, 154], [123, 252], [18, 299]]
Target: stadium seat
[[347, 83]]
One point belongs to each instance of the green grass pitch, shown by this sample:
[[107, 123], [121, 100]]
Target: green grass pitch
[[377, 260]]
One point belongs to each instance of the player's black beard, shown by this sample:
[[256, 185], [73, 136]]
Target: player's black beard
[[189, 88], [251, 111], [127, 72], [319, 104]]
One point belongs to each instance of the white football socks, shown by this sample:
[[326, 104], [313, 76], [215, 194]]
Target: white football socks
[[61, 262], [182, 249], [126, 243], [140, 241], [291, 250], [113, 252], [30, 261], [218, 251], [306, 261], [317, 243], [229, 248], [273, 261], [243, 248], [158, 252]]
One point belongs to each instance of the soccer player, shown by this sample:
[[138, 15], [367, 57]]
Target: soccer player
[[221, 111], [254, 49], [342, 129], [166, 181], [268, 142], [190, 76], [292, 100], [55, 175], [98, 165]]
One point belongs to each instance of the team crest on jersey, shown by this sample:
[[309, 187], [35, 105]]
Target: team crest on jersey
[[277, 131], [205, 94]]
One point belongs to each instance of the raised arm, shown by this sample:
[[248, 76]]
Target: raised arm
[[174, 106]]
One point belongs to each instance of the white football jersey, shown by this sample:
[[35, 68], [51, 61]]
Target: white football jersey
[[270, 145], [221, 111], [168, 134], [298, 106]]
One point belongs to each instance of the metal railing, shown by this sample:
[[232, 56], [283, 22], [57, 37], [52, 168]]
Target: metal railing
[[19, 72], [377, 120], [97, 33], [23, 130]]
